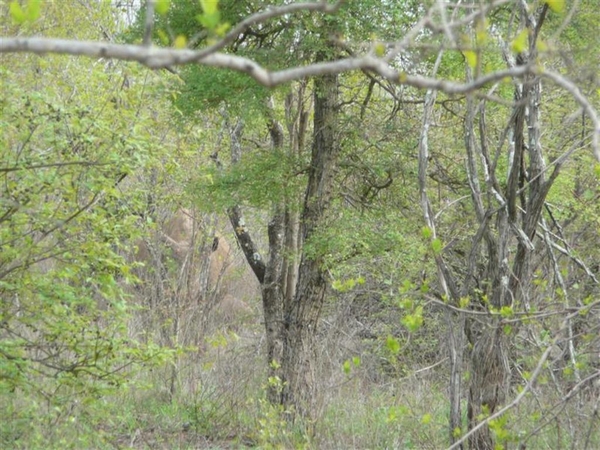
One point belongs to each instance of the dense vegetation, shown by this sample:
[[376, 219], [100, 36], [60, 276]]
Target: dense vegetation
[[397, 250]]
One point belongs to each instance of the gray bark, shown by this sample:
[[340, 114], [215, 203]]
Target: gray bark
[[302, 314]]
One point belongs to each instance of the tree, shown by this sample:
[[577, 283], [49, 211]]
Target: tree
[[71, 140], [163, 58], [459, 35], [496, 266]]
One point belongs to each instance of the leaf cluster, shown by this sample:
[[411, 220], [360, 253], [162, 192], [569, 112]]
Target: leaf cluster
[[260, 179]]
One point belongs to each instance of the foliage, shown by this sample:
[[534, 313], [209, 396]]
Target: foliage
[[93, 155], [260, 179], [71, 135]]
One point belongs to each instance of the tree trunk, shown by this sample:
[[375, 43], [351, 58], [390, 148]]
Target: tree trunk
[[273, 286], [490, 371], [301, 315], [272, 300], [490, 357], [270, 274]]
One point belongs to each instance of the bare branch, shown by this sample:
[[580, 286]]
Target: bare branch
[[49, 165], [156, 58], [572, 89], [263, 16], [149, 25]]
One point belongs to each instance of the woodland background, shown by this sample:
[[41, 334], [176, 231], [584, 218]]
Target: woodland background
[[395, 246]]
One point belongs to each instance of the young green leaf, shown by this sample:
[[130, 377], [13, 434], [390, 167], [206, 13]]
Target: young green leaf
[[506, 311], [211, 21], [413, 322], [471, 58], [209, 6], [180, 41], [392, 344], [162, 6], [481, 32], [426, 232], [222, 28], [17, 13], [346, 367], [436, 246], [33, 10], [519, 45], [557, 6]]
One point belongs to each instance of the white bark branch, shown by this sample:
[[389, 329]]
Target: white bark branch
[[264, 16], [156, 58]]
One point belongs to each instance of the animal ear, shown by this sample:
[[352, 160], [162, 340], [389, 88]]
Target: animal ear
[[215, 244]]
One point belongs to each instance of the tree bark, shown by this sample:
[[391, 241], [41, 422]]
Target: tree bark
[[273, 285], [269, 274], [272, 300], [490, 356], [302, 314]]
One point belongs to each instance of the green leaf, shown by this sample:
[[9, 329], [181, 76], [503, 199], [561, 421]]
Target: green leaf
[[406, 303], [17, 13], [557, 6], [180, 41], [471, 58], [426, 232], [346, 367], [33, 10], [209, 6], [337, 285], [407, 286], [163, 36], [413, 322], [392, 344], [506, 311], [162, 6], [481, 32], [541, 45], [343, 286], [210, 20], [436, 246], [519, 45], [222, 28]]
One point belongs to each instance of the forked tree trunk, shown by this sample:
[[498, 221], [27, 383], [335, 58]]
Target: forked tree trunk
[[270, 273], [490, 357], [278, 275]]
